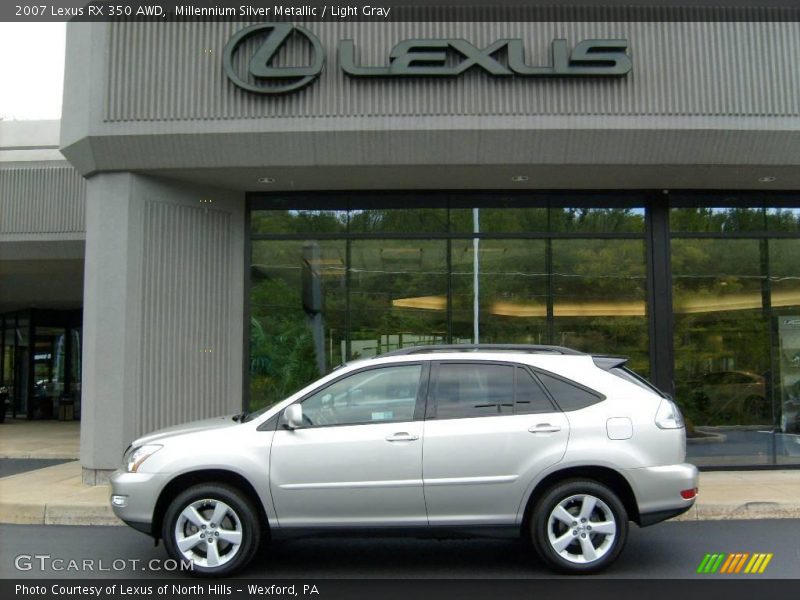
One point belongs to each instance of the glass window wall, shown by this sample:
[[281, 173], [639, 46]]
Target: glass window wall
[[336, 277], [736, 304], [404, 275]]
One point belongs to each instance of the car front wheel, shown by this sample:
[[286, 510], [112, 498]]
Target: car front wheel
[[579, 526], [214, 526]]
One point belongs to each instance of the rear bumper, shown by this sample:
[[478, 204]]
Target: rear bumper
[[658, 491], [652, 518]]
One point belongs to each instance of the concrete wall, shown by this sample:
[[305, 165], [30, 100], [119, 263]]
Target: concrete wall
[[172, 72], [163, 310], [42, 201], [40, 198], [41, 195], [700, 95]]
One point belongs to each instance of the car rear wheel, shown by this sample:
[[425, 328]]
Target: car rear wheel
[[579, 526], [214, 526]]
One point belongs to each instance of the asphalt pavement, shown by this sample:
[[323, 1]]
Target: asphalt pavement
[[15, 466], [667, 550]]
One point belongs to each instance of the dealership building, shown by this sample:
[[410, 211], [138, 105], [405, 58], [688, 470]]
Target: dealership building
[[225, 211]]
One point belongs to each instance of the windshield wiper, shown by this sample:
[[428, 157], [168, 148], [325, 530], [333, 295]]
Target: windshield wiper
[[241, 417]]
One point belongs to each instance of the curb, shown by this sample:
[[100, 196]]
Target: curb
[[36, 454], [56, 514], [748, 510]]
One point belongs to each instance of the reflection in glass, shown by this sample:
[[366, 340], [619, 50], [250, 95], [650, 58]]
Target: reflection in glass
[[398, 295], [532, 219], [298, 221], [599, 298], [376, 395], [597, 220], [721, 350], [297, 309], [7, 384], [21, 366], [512, 291], [717, 220], [315, 304], [785, 285], [398, 220], [49, 363], [783, 219], [505, 215], [76, 368]]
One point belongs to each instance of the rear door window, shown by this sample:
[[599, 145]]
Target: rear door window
[[464, 390], [474, 390], [530, 396]]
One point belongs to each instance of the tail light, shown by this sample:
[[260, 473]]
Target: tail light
[[668, 415]]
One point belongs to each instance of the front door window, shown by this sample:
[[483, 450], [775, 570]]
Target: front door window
[[376, 395]]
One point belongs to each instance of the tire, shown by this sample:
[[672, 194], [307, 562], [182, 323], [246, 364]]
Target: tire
[[189, 520], [568, 544]]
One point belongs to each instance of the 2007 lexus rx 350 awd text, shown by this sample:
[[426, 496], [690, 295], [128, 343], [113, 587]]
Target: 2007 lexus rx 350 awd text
[[545, 442]]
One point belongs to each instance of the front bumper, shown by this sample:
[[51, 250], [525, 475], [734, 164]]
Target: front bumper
[[134, 497], [658, 491]]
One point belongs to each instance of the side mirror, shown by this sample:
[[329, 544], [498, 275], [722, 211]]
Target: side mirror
[[293, 416]]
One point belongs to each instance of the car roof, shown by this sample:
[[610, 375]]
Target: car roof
[[503, 348], [535, 356]]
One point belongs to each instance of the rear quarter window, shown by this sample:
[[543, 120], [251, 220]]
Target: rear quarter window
[[636, 379], [569, 396]]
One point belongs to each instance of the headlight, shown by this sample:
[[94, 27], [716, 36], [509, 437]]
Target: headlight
[[668, 415], [134, 458]]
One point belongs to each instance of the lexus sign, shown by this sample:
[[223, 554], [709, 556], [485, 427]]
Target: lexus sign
[[448, 57]]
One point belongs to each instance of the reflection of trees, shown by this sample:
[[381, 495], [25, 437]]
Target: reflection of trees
[[720, 326], [717, 290], [717, 339], [281, 347], [726, 220], [513, 271]]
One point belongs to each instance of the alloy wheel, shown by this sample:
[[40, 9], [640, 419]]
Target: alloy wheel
[[208, 532], [581, 528]]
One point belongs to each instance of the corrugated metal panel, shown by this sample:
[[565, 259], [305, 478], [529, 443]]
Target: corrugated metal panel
[[42, 200], [186, 275], [172, 71]]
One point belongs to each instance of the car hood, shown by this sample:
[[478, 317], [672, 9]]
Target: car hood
[[184, 428]]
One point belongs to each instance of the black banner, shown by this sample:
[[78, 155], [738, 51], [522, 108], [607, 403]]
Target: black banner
[[403, 10], [390, 589]]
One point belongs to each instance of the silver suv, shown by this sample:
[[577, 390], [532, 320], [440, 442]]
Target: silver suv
[[539, 441]]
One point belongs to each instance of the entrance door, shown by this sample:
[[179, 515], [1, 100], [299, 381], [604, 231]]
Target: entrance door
[[490, 430], [40, 363], [358, 460]]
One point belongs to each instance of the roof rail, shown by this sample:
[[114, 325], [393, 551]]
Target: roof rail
[[527, 348]]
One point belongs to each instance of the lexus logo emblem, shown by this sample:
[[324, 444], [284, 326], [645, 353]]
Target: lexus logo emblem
[[413, 58], [277, 80]]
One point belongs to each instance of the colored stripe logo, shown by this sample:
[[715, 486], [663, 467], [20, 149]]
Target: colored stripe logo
[[737, 562]]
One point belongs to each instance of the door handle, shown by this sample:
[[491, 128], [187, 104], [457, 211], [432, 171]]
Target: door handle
[[402, 436], [544, 428]]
